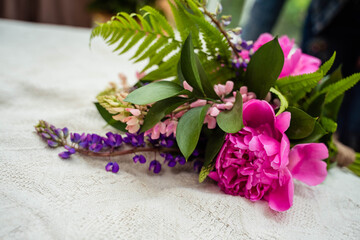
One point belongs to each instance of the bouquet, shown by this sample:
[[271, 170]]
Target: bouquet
[[252, 116]]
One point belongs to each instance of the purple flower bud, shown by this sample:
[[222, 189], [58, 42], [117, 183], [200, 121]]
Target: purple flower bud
[[65, 130], [53, 128], [155, 166], [112, 166], [226, 20], [180, 159], [196, 153], [70, 149], [65, 155], [58, 132], [172, 163], [139, 158], [52, 144], [95, 138], [197, 166], [45, 136], [75, 137], [111, 136]]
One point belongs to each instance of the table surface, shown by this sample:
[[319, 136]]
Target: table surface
[[49, 72]]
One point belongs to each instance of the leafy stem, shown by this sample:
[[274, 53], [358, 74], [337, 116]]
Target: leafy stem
[[221, 29]]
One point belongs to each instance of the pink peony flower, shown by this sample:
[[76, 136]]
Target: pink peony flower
[[257, 163], [296, 62]]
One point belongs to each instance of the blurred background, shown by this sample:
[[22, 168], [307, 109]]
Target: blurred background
[[85, 13]]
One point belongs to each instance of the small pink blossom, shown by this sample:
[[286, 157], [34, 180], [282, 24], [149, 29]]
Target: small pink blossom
[[257, 163], [187, 86], [223, 90], [159, 128], [135, 112], [198, 103]]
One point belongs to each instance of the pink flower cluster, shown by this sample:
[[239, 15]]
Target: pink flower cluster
[[296, 62], [257, 163], [222, 91]]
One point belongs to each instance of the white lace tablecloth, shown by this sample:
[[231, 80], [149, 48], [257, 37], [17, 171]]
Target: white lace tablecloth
[[48, 72]]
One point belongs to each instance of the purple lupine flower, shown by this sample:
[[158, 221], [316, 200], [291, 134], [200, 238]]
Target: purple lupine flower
[[75, 137], [180, 159], [65, 131], [52, 143], [139, 158], [70, 149], [65, 155], [59, 132], [53, 128], [113, 140], [45, 136], [155, 166], [196, 153], [136, 140], [197, 166], [169, 159], [112, 166]]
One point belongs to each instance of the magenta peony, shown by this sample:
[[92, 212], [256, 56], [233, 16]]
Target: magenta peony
[[257, 163]]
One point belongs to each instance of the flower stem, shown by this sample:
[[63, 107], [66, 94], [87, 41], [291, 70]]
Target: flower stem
[[221, 29], [124, 152]]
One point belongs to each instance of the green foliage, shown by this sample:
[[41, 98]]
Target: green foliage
[[108, 118], [315, 136], [154, 92], [296, 87], [264, 68], [355, 166], [336, 89], [327, 65], [301, 125], [213, 146], [283, 100], [189, 128], [158, 43], [231, 121], [328, 124], [159, 110]]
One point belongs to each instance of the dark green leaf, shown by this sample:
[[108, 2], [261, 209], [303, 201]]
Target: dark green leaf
[[301, 125], [206, 85], [264, 68], [331, 110], [188, 65], [315, 136], [316, 106], [189, 128], [231, 121], [108, 118], [154, 92], [159, 110]]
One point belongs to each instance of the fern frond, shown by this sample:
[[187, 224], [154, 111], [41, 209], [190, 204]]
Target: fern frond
[[336, 89]]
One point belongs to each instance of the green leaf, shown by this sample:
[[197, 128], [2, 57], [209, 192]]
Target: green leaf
[[264, 68], [304, 82], [189, 128], [331, 110], [315, 136], [301, 124], [231, 121], [214, 144], [338, 88], [283, 100], [205, 172], [316, 107], [160, 109], [333, 78], [154, 92], [324, 69], [205, 83], [188, 65], [108, 118], [328, 124], [161, 20]]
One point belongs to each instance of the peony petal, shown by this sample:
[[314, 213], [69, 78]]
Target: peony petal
[[281, 198], [214, 176], [282, 122], [270, 145], [257, 113], [306, 163]]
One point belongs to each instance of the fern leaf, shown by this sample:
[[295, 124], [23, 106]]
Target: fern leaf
[[299, 82], [126, 37], [130, 20], [153, 48], [336, 89], [148, 40], [133, 41], [161, 54], [161, 20], [327, 65]]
